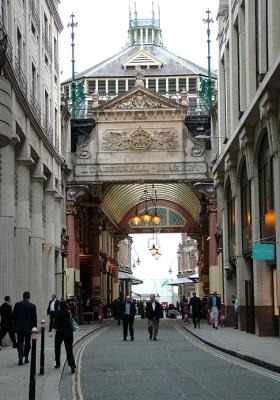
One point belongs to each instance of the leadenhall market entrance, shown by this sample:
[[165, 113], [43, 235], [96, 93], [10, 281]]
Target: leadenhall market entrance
[[139, 156]]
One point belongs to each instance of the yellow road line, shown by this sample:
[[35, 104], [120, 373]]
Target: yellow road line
[[216, 354], [76, 378]]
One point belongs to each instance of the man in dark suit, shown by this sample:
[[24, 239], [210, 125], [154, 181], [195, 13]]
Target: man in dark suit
[[153, 313], [25, 318], [6, 325], [128, 311], [52, 310], [195, 306]]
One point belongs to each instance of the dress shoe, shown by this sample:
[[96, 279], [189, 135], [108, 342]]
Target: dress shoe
[[154, 338], [151, 336], [57, 365], [132, 338], [124, 339], [26, 360], [20, 361], [73, 370], [14, 345]]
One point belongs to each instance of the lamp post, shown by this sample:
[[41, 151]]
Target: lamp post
[[208, 21], [42, 350], [32, 380], [64, 252], [73, 25]]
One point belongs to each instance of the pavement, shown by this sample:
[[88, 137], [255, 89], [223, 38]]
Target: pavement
[[262, 351], [14, 379]]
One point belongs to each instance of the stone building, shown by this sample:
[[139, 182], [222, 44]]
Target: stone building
[[133, 146], [246, 165], [32, 178]]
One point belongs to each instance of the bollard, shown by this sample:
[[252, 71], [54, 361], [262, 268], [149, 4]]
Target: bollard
[[42, 351], [32, 380]]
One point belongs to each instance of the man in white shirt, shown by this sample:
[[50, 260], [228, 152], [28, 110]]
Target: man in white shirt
[[236, 309], [52, 309]]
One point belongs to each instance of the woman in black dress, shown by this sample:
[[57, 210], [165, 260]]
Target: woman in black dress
[[64, 333]]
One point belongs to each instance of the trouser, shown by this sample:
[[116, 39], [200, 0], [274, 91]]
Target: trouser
[[68, 343], [153, 325], [4, 330], [214, 316], [236, 319], [196, 319], [23, 344], [52, 316], [128, 321]]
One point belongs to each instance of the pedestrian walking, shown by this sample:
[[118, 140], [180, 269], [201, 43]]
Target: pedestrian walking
[[25, 318], [100, 311], [185, 312], [214, 307], [195, 305], [64, 333], [153, 313], [116, 310], [236, 312], [128, 311], [6, 324], [52, 310]]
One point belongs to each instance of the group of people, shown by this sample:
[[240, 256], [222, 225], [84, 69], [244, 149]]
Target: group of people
[[19, 321], [127, 312]]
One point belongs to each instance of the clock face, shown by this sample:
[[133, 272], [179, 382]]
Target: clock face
[[140, 139]]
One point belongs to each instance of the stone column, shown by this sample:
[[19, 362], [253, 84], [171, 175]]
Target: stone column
[[49, 242], [36, 238], [95, 274], [214, 277], [273, 11], [24, 268], [250, 51], [8, 277]]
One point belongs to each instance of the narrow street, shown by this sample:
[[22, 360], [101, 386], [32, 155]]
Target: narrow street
[[175, 366]]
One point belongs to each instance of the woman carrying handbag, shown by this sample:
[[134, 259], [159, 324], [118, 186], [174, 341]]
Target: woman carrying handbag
[[64, 333]]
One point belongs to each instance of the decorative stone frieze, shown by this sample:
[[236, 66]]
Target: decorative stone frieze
[[140, 100], [140, 139]]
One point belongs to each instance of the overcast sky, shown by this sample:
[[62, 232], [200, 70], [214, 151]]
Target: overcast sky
[[102, 30]]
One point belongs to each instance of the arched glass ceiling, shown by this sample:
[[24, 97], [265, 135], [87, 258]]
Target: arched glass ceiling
[[118, 200]]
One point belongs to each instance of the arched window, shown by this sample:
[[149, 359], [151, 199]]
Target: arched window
[[266, 192], [231, 225], [246, 216]]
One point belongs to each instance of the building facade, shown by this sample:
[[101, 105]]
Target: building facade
[[32, 180], [246, 164]]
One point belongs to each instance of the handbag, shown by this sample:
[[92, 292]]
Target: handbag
[[75, 327]]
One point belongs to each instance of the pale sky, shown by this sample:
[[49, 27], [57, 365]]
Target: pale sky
[[102, 30]]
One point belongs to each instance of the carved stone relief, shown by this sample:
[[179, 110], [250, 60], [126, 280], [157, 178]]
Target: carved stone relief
[[140, 100], [140, 139]]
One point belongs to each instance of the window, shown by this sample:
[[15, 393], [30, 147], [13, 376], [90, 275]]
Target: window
[[231, 225], [19, 47], [91, 86], [33, 30], [172, 85], [192, 85], [131, 83], [246, 215], [266, 191], [121, 86], [102, 87], [162, 85], [46, 106], [46, 61], [152, 84], [55, 48], [33, 82], [182, 84], [111, 87], [66, 92]]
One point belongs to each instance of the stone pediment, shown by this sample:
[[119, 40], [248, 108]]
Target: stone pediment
[[140, 98]]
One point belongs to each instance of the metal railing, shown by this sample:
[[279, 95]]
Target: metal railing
[[34, 105], [47, 128], [22, 81]]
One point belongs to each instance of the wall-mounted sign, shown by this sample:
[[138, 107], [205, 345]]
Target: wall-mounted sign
[[263, 252]]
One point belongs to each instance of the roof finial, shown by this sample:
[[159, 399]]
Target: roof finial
[[139, 76]]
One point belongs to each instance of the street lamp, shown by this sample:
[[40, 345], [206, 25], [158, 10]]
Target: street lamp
[[209, 137]]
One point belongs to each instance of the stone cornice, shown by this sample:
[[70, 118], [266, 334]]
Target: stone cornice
[[55, 15]]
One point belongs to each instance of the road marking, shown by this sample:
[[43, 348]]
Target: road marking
[[214, 353], [76, 378]]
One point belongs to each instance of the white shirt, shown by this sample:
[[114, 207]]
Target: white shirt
[[52, 305], [154, 305]]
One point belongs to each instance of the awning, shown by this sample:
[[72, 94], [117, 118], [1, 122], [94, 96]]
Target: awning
[[194, 277], [176, 282], [127, 277]]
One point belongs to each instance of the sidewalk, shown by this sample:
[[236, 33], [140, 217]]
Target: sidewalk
[[262, 351], [14, 379]]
